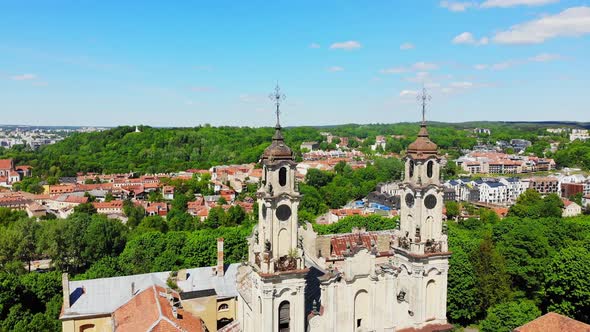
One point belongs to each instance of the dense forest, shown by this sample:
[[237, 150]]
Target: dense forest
[[157, 150]]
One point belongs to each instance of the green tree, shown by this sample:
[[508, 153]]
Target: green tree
[[104, 237], [506, 316], [86, 208], [493, 282], [453, 209], [568, 283], [462, 300]]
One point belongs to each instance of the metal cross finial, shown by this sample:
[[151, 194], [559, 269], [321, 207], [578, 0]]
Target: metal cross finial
[[277, 97], [424, 98]]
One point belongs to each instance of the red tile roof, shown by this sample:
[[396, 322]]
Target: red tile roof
[[150, 310], [553, 322], [76, 199], [5, 163]]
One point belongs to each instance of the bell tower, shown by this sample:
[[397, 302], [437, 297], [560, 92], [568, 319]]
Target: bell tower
[[422, 244], [277, 278], [422, 202]]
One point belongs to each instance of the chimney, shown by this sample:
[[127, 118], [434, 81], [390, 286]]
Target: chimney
[[65, 285], [220, 257], [132, 288]]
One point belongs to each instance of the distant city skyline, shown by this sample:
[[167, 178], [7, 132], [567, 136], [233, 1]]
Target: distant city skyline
[[108, 63]]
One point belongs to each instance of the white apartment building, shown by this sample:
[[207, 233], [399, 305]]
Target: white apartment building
[[581, 134], [493, 192]]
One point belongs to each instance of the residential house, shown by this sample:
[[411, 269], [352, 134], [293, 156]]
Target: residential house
[[109, 208], [168, 192], [570, 209], [310, 146]]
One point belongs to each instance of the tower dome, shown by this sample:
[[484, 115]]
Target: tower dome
[[422, 147], [277, 150]]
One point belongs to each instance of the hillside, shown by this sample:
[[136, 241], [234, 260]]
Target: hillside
[[154, 150]]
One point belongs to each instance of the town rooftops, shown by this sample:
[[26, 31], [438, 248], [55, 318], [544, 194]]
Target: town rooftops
[[553, 322], [95, 297]]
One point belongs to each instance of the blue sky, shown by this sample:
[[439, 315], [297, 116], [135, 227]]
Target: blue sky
[[195, 62]]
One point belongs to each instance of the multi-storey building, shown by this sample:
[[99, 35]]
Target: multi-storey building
[[544, 185]]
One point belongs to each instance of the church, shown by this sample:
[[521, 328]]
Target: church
[[396, 280], [294, 280]]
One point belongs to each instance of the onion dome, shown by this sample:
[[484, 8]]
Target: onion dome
[[422, 147], [277, 150]]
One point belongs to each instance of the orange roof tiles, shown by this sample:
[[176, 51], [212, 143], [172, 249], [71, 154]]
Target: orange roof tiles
[[108, 205], [553, 322], [6, 163], [151, 310]]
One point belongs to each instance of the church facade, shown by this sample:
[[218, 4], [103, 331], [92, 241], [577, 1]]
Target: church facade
[[396, 280]]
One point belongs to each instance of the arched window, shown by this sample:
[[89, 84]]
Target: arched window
[[361, 309], [284, 316], [259, 304], [431, 297], [283, 176], [87, 328], [223, 307], [411, 168], [429, 168]]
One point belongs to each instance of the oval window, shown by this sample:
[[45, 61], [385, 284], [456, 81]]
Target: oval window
[[429, 168], [283, 176], [430, 201], [283, 212]]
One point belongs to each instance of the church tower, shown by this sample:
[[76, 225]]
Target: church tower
[[275, 299], [422, 242]]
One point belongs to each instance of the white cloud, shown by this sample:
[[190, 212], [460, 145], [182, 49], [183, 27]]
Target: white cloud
[[23, 77], [347, 45], [512, 3], [314, 45], [394, 70], [571, 22], [424, 66], [544, 57], [408, 93], [456, 6], [464, 38], [406, 46], [335, 69], [468, 38]]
